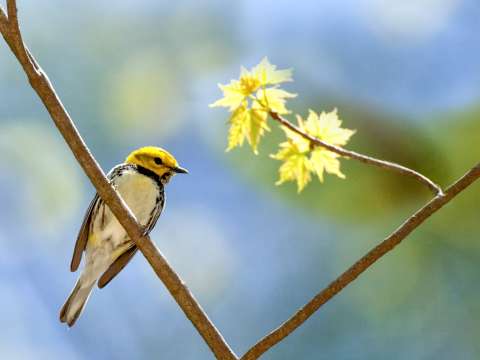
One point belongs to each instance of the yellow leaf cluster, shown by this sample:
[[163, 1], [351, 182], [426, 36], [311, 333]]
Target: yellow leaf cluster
[[301, 160], [250, 99], [256, 94]]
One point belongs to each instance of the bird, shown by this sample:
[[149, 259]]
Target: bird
[[140, 181]]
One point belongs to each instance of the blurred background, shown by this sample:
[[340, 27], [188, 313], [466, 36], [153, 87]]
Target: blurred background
[[405, 74]]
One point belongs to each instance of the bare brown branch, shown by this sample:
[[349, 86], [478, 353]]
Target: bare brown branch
[[14, 34], [42, 86], [361, 265], [437, 190], [3, 21]]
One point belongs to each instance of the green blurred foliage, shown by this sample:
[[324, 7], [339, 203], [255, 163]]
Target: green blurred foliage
[[45, 170]]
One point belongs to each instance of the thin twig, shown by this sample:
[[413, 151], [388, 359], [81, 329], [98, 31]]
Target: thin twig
[[361, 265], [437, 190], [65, 125]]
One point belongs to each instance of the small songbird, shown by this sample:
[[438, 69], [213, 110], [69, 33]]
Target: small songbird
[[140, 181]]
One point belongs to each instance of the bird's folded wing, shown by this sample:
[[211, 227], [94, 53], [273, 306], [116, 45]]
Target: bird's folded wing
[[83, 235], [82, 238], [117, 266]]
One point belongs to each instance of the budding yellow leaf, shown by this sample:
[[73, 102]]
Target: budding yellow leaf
[[324, 160], [274, 99], [257, 124], [247, 123], [327, 127], [238, 124], [296, 165], [299, 154], [269, 75], [232, 96], [261, 77]]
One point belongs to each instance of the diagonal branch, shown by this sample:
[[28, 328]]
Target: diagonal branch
[[3, 22], [42, 86], [361, 265], [14, 38], [437, 190]]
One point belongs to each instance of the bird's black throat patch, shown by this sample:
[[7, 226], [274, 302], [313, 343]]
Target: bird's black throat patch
[[147, 172]]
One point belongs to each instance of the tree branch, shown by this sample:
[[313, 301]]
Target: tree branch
[[42, 86], [437, 190], [361, 265], [3, 22]]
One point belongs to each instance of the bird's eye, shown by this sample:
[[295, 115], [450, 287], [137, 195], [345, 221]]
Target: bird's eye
[[158, 161]]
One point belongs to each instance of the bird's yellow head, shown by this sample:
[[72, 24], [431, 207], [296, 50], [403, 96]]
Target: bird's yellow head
[[157, 160]]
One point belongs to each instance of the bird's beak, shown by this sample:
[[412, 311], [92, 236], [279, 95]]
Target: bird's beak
[[180, 170]]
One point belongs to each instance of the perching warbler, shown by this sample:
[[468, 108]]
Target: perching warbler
[[140, 182]]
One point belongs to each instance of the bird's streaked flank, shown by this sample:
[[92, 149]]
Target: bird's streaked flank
[[140, 181]]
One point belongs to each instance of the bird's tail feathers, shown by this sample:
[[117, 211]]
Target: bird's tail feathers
[[73, 307]]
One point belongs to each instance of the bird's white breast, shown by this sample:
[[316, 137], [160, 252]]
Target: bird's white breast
[[140, 193]]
